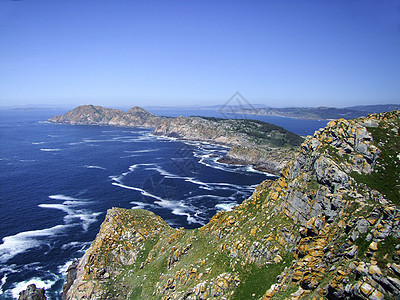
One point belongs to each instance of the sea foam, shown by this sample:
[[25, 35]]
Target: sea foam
[[21, 242]]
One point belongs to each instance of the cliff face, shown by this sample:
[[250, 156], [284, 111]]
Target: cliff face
[[97, 115], [271, 160], [329, 227]]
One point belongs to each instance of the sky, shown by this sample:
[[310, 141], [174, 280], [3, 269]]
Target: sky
[[199, 52]]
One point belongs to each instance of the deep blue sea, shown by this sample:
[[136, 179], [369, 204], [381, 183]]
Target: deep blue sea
[[57, 182]]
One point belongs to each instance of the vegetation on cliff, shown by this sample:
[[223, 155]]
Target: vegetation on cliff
[[229, 131], [325, 229]]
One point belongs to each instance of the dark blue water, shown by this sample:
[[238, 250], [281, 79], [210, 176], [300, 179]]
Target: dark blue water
[[57, 182]]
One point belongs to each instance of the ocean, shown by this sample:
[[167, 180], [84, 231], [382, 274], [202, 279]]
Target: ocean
[[57, 182]]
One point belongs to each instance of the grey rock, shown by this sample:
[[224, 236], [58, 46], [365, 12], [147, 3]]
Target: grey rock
[[362, 225], [351, 251], [32, 293]]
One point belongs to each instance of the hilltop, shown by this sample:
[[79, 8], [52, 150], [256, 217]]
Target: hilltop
[[266, 146], [97, 115], [328, 228]]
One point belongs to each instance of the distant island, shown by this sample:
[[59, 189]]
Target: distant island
[[319, 113], [265, 146]]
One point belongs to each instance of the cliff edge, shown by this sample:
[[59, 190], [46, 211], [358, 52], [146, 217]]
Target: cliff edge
[[328, 228]]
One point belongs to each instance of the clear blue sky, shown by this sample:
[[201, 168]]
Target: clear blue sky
[[274, 52]]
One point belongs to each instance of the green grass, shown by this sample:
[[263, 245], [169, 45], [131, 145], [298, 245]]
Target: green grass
[[362, 245], [286, 294], [136, 293], [386, 177], [388, 246], [256, 280]]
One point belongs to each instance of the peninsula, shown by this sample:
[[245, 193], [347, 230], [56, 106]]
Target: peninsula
[[265, 146]]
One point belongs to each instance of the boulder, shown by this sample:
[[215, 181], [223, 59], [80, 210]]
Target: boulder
[[32, 293]]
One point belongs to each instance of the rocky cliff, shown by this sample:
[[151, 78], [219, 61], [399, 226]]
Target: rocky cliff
[[97, 115], [328, 228]]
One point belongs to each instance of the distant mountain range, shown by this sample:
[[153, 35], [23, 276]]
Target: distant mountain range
[[322, 112]]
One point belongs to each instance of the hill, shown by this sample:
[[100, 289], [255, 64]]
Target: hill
[[97, 115], [328, 228]]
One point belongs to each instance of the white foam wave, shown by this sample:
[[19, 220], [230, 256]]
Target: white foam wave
[[63, 268], [96, 141], [119, 178], [142, 151], [250, 168], [50, 149], [179, 209], [142, 205], [3, 281], [62, 207], [208, 196], [87, 217], [62, 197], [197, 182], [95, 167], [229, 186], [189, 217], [20, 242], [81, 245], [20, 286], [164, 172], [225, 206], [131, 155], [143, 192], [38, 143]]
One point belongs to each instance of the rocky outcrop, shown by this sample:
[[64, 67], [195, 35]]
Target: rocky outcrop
[[32, 293], [328, 228], [97, 115], [262, 158]]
